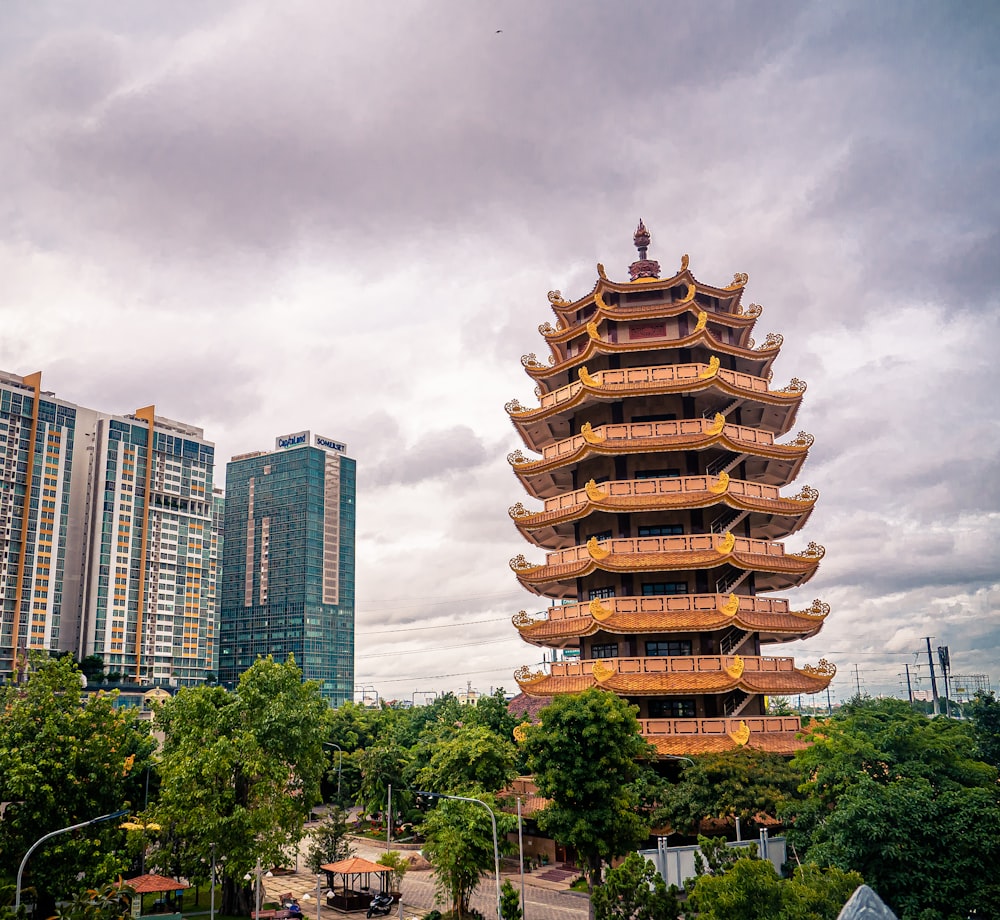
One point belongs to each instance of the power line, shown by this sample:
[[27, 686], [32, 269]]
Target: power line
[[437, 648], [399, 629], [429, 600]]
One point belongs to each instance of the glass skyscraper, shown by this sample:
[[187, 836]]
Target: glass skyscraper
[[288, 562]]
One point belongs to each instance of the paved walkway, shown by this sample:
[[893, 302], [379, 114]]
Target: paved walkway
[[546, 898]]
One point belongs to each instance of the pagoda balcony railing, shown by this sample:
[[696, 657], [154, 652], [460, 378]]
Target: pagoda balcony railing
[[635, 431], [672, 664], [756, 724], [638, 378], [654, 488], [669, 603], [686, 543]]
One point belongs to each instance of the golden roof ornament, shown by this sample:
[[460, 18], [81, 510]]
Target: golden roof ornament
[[742, 734], [556, 299], [643, 267]]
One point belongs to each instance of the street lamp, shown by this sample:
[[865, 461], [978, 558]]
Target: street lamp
[[493, 821], [340, 763], [62, 830], [258, 872]]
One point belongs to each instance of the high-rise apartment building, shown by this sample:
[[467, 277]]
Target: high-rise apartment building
[[103, 551], [288, 568]]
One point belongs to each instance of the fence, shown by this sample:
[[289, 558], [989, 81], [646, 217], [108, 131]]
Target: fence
[[676, 864]]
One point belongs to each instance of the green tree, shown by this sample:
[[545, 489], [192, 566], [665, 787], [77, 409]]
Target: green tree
[[743, 783], [750, 889], [984, 713], [779, 706], [329, 842], [92, 667], [109, 902], [510, 902], [460, 848], [585, 757], [239, 770], [64, 761], [469, 757], [902, 800], [397, 865], [634, 891], [385, 764]]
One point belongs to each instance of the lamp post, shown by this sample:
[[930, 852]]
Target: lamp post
[[520, 853], [493, 821], [258, 873], [41, 840], [340, 763]]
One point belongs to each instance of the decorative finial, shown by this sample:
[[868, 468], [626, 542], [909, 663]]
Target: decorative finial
[[643, 268]]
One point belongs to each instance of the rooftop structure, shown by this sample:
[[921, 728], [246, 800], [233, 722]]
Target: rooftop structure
[[662, 458]]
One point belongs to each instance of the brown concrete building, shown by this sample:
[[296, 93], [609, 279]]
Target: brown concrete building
[[661, 464]]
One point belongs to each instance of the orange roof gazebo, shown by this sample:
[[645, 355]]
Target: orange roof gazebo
[[144, 884]]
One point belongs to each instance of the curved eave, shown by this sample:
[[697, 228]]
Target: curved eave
[[730, 295], [763, 357], [783, 627], [540, 480], [534, 425], [777, 517], [773, 572], [684, 684]]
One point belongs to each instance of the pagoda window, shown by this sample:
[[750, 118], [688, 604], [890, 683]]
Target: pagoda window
[[661, 530], [657, 474], [603, 535], [668, 649], [653, 588], [607, 650], [651, 331], [600, 593], [658, 417], [671, 709]]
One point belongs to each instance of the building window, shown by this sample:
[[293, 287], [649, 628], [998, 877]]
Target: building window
[[671, 709], [661, 530], [608, 650], [601, 593], [658, 649], [603, 535], [653, 588]]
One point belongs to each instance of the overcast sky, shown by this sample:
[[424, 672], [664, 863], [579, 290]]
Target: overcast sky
[[264, 217]]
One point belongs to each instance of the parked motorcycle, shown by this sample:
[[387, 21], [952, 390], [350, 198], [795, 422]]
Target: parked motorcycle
[[381, 905]]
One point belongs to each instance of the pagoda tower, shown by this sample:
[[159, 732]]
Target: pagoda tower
[[660, 456]]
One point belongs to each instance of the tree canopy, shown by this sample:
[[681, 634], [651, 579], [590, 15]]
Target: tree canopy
[[66, 758], [586, 757], [904, 801], [460, 847], [743, 783], [241, 771]]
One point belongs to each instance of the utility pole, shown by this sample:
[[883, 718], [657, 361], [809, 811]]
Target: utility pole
[[934, 693], [857, 680], [945, 660], [909, 688], [829, 705]]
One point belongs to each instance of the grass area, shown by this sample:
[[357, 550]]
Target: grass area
[[579, 884]]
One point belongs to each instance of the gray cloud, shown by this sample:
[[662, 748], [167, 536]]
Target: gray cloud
[[345, 218]]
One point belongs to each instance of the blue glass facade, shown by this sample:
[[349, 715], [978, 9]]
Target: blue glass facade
[[288, 566]]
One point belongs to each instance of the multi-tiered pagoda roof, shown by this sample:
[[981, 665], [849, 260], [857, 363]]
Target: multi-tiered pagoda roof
[[662, 460]]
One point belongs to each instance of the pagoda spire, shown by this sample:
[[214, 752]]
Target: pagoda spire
[[643, 267]]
